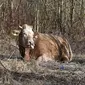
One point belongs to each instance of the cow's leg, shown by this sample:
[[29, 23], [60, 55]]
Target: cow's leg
[[64, 59], [45, 58], [64, 52], [22, 51]]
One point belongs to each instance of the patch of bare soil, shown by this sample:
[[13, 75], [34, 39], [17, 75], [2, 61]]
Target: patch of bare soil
[[14, 71]]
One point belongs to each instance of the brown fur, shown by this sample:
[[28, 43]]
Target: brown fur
[[48, 47]]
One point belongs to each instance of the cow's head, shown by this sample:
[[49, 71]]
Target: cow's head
[[26, 36]]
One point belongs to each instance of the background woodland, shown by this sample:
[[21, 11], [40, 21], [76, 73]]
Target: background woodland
[[60, 17]]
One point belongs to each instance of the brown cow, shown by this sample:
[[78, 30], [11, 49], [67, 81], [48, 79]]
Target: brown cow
[[43, 47]]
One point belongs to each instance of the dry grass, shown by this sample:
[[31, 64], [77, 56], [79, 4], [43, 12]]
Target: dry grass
[[49, 73], [14, 71]]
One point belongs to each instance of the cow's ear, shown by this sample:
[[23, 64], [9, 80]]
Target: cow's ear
[[15, 32], [20, 27], [31, 27]]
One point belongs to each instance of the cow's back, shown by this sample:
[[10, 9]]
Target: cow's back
[[44, 44], [64, 48]]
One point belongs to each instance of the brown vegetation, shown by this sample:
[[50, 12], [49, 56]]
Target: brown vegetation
[[58, 17], [61, 17]]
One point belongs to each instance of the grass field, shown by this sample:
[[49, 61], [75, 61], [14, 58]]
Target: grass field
[[14, 71], [17, 72]]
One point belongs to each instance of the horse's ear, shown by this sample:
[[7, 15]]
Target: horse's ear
[[20, 27]]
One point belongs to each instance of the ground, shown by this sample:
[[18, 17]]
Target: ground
[[49, 73], [14, 71]]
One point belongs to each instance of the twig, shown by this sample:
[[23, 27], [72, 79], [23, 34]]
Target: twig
[[4, 66]]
